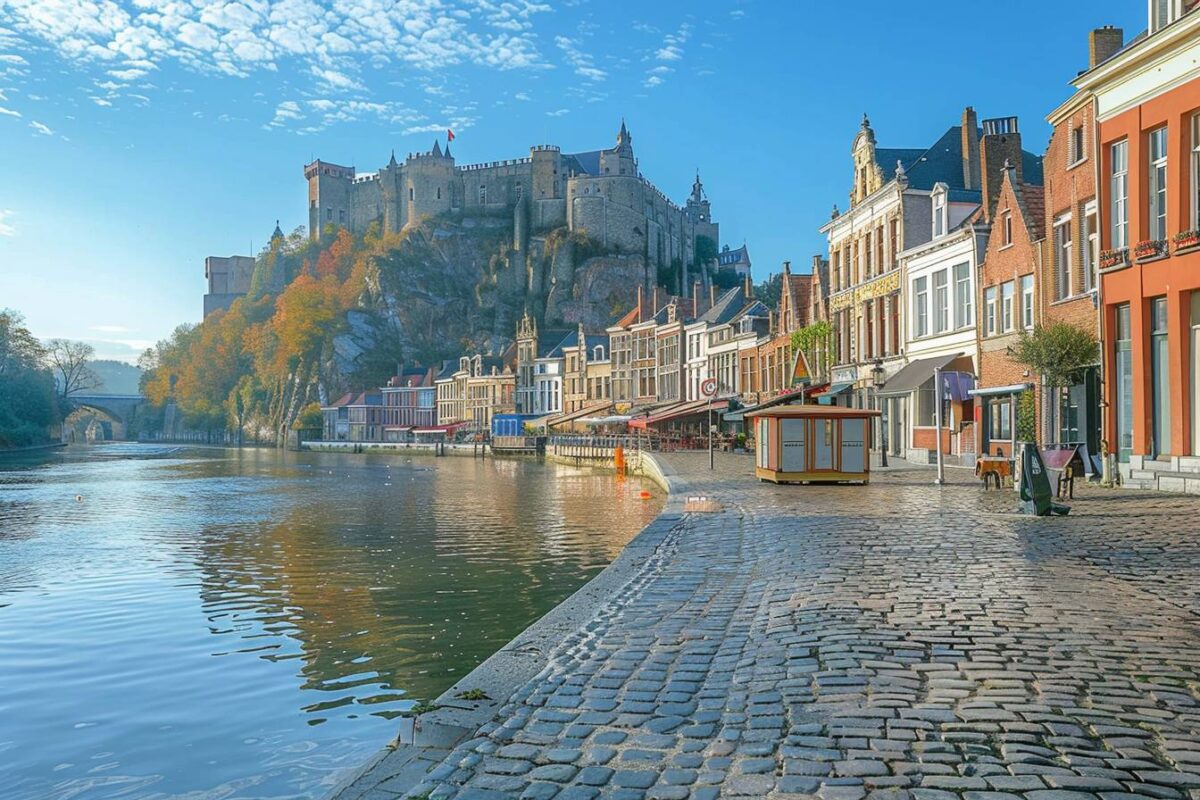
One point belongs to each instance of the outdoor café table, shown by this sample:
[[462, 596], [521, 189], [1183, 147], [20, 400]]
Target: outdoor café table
[[999, 466]]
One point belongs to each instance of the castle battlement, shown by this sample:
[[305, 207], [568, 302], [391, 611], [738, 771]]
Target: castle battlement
[[598, 192], [508, 162]]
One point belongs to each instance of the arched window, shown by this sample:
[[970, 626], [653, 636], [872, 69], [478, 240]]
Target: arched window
[[598, 352]]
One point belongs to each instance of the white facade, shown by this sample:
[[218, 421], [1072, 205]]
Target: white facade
[[547, 386], [695, 358], [941, 320]]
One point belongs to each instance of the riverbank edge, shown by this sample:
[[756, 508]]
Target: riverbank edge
[[31, 448], [398, 768]]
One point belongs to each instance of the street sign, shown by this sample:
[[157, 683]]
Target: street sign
[[708, 387], [801, 375]]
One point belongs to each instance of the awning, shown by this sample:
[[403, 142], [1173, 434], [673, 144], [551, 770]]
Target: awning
[[996, 391], [834, 390], [679, 411], [578, 413], [615, 419], [914, 374], [400, 429]]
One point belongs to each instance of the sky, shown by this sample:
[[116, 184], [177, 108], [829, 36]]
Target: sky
[[139, 136]]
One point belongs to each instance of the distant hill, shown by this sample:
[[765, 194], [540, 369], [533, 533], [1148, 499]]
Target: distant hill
[[116, 377]]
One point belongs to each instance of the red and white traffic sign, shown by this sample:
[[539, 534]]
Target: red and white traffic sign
[[708, 387]]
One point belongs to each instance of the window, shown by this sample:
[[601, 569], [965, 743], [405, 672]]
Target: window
[[1120, 195], [1076, 155], [483, 195], [963, 311], [1062, 258], [1006, 305], [412, 193], [989, 310], [1163, 13], [1091, 246], [1000, 411], [1027, 302], [1007, 228], [1160, 378], [920, 307], [1196, 172], [439, 193], [941, 302], [926, 405], [1124, 380], [939, 214], [1158, 184]]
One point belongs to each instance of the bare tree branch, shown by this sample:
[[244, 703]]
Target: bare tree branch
[[69, 360]]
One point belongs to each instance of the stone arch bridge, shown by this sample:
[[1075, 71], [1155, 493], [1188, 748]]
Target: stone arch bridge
[[101, 417]]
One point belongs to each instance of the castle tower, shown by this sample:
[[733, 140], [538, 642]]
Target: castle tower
[[426, 186], [619, 160], [546, 160], [329, 199]]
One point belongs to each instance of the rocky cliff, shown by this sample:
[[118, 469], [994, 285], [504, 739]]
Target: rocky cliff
[[449, 287]]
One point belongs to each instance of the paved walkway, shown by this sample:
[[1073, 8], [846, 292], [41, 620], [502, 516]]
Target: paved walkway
[[893, 642]]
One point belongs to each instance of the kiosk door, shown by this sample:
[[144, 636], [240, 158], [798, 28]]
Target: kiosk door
[[853, 445], [792, 434], [822, 445]]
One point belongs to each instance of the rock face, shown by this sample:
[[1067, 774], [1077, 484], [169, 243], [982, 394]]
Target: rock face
[[454, 287]]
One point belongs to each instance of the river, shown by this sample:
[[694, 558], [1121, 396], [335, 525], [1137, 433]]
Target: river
[[206, 623]]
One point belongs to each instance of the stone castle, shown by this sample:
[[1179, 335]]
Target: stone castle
[[599, 192]]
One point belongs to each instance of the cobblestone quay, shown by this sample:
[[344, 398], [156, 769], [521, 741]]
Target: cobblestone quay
[[893, 642]]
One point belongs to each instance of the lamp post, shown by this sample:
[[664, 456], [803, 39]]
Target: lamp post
[[877, 378]]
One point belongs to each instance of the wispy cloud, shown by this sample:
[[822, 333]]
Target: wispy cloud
[[669, 52], [8, 112], [561, 112], [6, 227], [41, 128], [339, 48], [581, 61]]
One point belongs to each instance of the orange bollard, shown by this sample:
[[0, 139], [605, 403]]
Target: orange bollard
[[619, 459]]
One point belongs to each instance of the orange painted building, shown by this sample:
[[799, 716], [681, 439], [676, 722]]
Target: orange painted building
[[1147, 103]]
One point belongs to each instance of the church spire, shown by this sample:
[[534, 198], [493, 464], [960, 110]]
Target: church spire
[[392, 163], [437, 149], [623, 137]]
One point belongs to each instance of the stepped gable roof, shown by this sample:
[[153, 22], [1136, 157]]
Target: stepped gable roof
[[726, 309], [942, 162]]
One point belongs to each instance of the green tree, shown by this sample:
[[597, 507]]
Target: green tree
[[770, 290], [1027, 418], [1058, 352], [28, 401]]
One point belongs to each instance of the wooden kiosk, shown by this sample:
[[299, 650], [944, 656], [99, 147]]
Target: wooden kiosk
[[813, 444]]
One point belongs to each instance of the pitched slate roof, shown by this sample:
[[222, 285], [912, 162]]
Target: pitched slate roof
[[942, 162], [587, 163], [728, 257], [726, 308]]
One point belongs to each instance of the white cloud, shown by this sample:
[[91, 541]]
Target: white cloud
[[11, 58], [6, 227], [561, 112], [577, 58], [669, 52], [522, 96], [41, 128], [8, 112]]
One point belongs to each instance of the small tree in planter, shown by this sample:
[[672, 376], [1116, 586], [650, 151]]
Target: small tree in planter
[[1059, 353]]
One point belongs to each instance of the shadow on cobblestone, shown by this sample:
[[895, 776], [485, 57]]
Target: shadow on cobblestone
[[896, 641]]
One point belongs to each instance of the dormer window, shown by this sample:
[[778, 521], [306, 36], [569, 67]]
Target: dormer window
[[1164, 12], [598, 353], [941, 221]]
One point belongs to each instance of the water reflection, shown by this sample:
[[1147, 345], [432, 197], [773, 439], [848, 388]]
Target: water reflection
[[245, 624]]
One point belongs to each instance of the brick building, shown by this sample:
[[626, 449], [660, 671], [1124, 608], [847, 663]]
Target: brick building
[[1147, 101]]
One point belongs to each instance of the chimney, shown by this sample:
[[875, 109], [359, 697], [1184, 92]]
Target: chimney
[[770, 322], [639, 304], [656, 299], [749, 288], [970, 148], [712, 295], [1103, 44], [696, 298], [1001, 143]]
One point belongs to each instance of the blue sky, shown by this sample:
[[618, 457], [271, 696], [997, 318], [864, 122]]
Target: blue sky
[[139, 136]]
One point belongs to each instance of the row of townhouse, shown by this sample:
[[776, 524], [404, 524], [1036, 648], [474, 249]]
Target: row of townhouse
[[948, 254]]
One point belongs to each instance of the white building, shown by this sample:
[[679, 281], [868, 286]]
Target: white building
[[940, 278]]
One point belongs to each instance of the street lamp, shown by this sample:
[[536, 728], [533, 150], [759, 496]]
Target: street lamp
[[877, 378]]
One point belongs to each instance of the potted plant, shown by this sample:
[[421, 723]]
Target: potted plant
[[1150, 249], [1114, 258], [1185, 240]]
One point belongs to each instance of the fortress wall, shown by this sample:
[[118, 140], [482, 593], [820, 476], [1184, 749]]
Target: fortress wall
[[545, 214], [366, 205], [501, 183]]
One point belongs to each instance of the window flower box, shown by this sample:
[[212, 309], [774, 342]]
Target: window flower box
[[1150, 250], [1114, 259], [1186, 240]]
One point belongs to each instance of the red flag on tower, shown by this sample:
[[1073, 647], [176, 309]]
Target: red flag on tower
[[449, 135]]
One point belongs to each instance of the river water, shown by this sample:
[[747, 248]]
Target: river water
[[202, 624]]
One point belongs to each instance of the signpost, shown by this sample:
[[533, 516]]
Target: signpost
[[708, 388]]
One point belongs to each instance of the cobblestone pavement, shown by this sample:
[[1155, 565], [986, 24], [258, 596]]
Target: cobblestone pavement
[[894, 642]]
